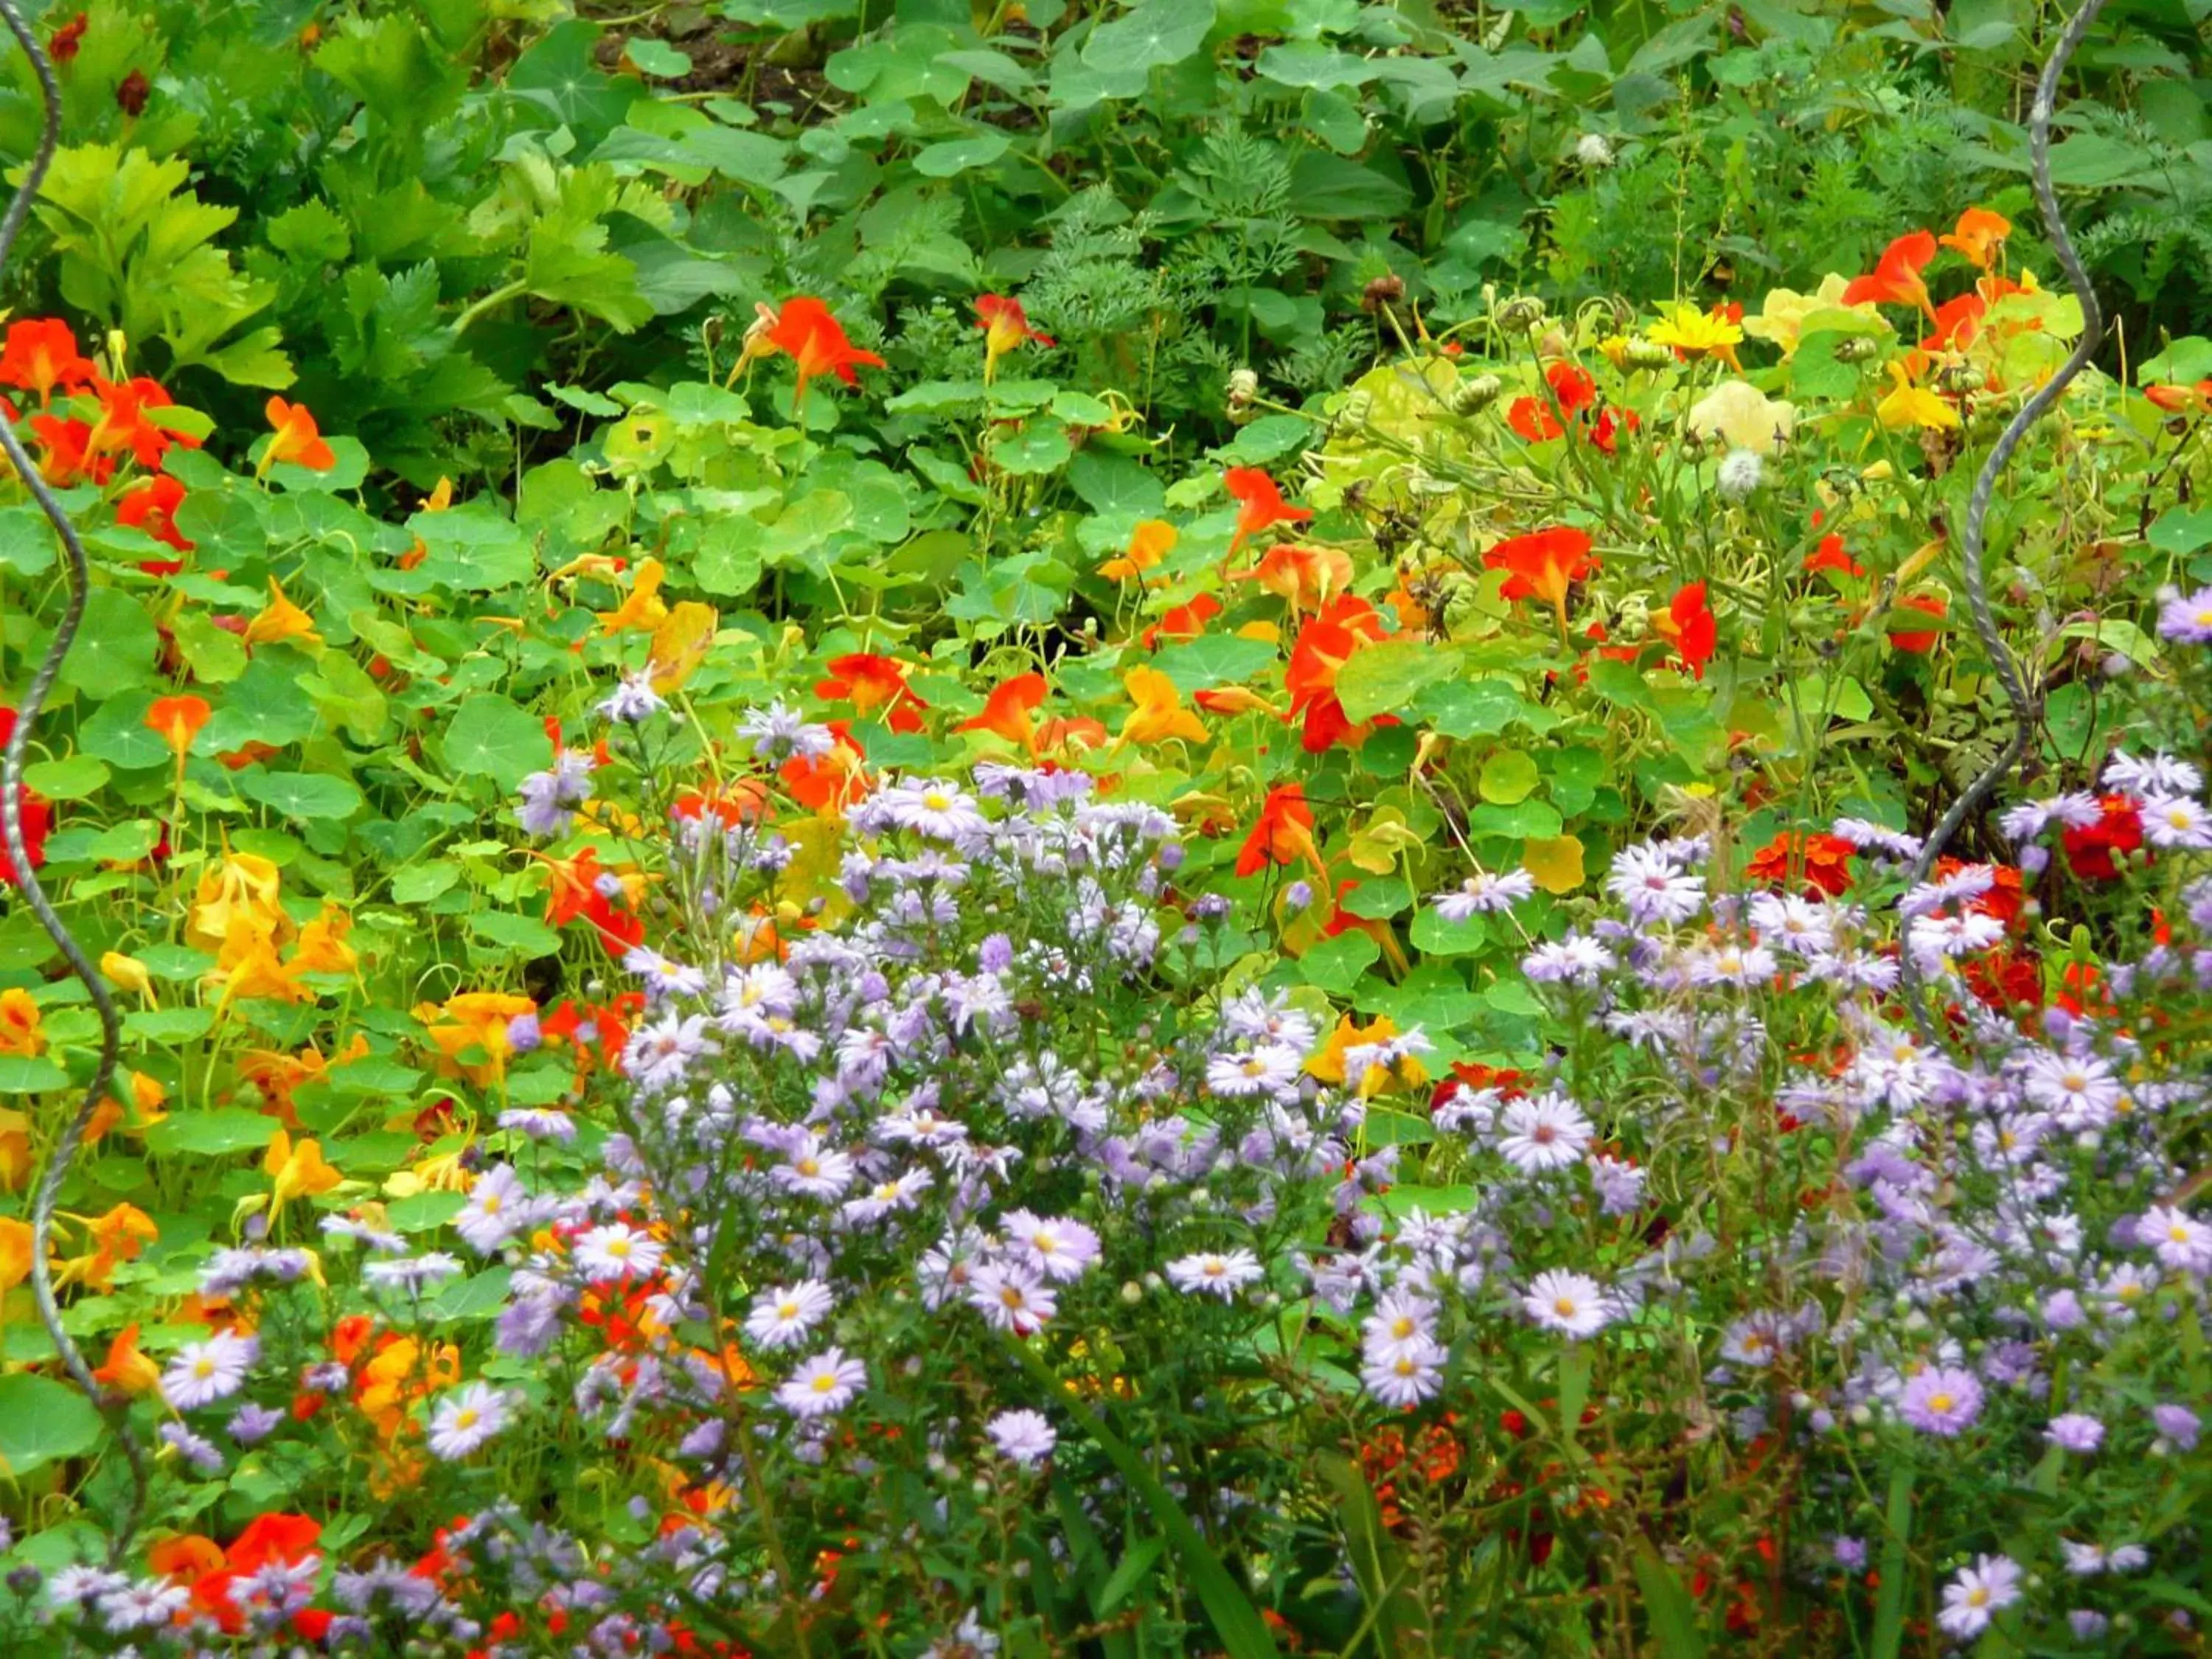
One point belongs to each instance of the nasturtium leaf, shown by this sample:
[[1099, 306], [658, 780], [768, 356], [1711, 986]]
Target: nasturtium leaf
[[472, 550], [115, 648], [421, 1212], [125, 842], [27, 541], [1528, 820], [301, 794], [1384, 678], [523, 935], [216, 655], [1556, 862], [1335, 965], [1470, 708], [30, 1074], [418, 883], [1116, 483], [1434, 936], [1380, 900], [480, 1296], [1215, 660], [1038, 447], [657, 58], [211, 1133], [168, 1025], [72, 779], [1386, 1128], [1508, 777], [42, 1420], [2181, 530], [489, 736], [959, 155], [1149, 36], [265, 704]]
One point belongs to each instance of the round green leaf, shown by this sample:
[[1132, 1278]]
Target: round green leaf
[[489, 737], [1508, 777], [42, 1420], [301, 794], [945, 160]]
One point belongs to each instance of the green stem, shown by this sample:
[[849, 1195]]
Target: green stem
[[498, 296]]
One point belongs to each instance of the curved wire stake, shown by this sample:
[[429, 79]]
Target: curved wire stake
[[2026, 709], [11, 823]]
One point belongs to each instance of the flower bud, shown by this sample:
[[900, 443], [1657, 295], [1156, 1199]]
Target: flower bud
[[1955, 378], [1475, 394], [1855, 348], [1521, 314], [1594, 149], [1244, 387], [1132, 1293], [1640, 353], [1383, 293]]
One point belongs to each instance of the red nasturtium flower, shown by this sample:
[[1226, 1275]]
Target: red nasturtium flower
[[2089, 849], [1957, 321], [152, 507], [1004, 326], [1920, 644], [1259, 504], [62, 45], [2178, 400], [178, 721], [1282, 833], [1324, 645], [1689, 625], [1302, 576], [814, 342], [1184, 621], [1895, 279], [1543, 567], [41, 356], [1533, 419], [38, 816], [124, 422], [870, 682], [1006, 712], [296, 439], [1830, 555], [1819, 861], [830, 782]]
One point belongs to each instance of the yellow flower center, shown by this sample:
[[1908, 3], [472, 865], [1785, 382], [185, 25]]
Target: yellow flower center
[[786, 1311], [618, 1249], [1402, 1326], [823, 1381], [465, 1418], [808, 1168], [1563, 1306], [937, 801], [1941, 1402]]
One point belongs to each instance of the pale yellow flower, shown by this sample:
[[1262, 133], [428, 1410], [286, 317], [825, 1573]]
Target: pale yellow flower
[[1744, 416]]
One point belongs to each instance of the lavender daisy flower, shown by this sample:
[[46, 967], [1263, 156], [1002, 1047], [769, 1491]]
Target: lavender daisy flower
[[2076, 1431], [821, 1386], [609, 1253], [1210, 1274], [1572, 1304], [1012, 1296], [2187, 619], [412, 1273], [780, 1318], [1485, 894], [201, 1373], [2159, 774], [1547, 1132], [1941, 1400], [634, 701], [250, 1424], [1056, 1247], [1023, 1437], [467, 1420], [778, 733], [540, 1123], [2177, 1426], [196, 1450], [1972, 1599], [1406, 1376]]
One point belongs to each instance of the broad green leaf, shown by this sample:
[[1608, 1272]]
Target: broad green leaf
[[30, 1074], [1509, 776], [301, 794], [1215, 660], [1672, 1615], [41, 1421], [959, 155], [211, 1133], [1385, 677], [490, 738], [115, 648], [76, 778], [1149, 36]]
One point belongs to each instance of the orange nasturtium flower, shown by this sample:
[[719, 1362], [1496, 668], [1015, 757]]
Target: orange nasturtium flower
[[642, 609], [1160, 714], [296, 439], [295, 1170], [1259, 504], [41, 354], [178, 721], [281, 620], [1543, 567], [1007, 710], [118, 1236], [1915, 642], [870, 682], [322, 948], [476, 1021], [1895, 279], [816, 344], [1688, 624], [1282, 833], [1152, 540], [125, 1369], [22, 1025], [237, 884], [1979, 235], [14, 1253], [1004, 326], [1305, 578], [2176, 399]]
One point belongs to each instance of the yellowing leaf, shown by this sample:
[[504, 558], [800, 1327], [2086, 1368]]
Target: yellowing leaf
[[1556, 863], [680, 644]]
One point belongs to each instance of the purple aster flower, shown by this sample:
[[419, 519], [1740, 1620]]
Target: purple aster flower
[[250, 1424], [1972, 1599], [2177, 1426], [1024, 1437], [2187, 619], [2076, 1431], [1941, 1400]]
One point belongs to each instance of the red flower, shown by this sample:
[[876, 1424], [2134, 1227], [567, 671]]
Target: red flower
[[1919, 644], [41, 352], [1324, 645], [1830, 555], [1957, 322], [1821, 861], [1282, 833], [1606, 430], [1896, 278], [69, 453], [1007, 710], [1532, 419], [1004, 326], [152, 507], [38, 823], [62, 45], [130, 95], [816, 342], [1185, 621], [1544, 566], [1690, 625], [870, 682], [2089, 850], [1260, 506]]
